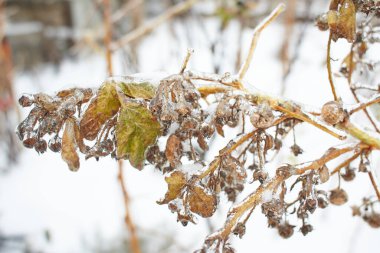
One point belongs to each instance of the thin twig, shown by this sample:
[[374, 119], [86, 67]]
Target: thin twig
[[375, 99], [329, 72], [345, 163], [256, 34], [190, 51], [151, 25]]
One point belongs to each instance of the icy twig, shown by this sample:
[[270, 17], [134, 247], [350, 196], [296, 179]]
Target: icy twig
[[256, 34]]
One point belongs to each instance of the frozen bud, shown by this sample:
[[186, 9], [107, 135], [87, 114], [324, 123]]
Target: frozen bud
[[239, 229], [324, 174], [285, 171], [363, 166], [277, 144], [332, 113], [55, 144], [348, 175], [26, 100], [338, 197], [285, 230], [306, 228], [373, 220], [263, 117], [321, 22], [40, 146]]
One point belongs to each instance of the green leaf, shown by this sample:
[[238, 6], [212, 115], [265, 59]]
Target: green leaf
[[103, 107], [143, 90], [136, 130]]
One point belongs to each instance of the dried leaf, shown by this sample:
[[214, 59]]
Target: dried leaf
[[176, 181], [342, 22], [136, 130], [69, 146], [173, 150], [102, 107], [202, 203]]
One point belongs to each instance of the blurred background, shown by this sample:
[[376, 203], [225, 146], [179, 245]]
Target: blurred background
[[49, 45]]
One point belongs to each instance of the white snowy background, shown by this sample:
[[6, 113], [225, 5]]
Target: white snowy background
[[84, 211]]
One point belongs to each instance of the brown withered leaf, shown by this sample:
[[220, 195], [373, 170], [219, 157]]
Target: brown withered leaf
[[201, 203], [173, 150], [176, 181], [105, 105], [342, 22], [69, 146], [136, 130]]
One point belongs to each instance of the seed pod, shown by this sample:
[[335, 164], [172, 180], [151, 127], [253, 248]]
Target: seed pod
[[349, 174], [324, 174], [26, 100], [260, 175], [30, 141], [332, 113], [338, 197], [296, 150], [40, 146], [55, 144], [306, 228], [322, 202], [263, 117], [285, 230], [239, 229], [373, 220], [311, 205]]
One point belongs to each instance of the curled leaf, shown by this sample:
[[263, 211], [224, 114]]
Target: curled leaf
[[69, 146], [173, 150], [176, 181], [201, 202], [138, 89], [342, 20], [105, 105], [136, 130]]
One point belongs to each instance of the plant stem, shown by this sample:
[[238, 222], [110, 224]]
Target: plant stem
[[374, 184], [329, 72], [256, 34]]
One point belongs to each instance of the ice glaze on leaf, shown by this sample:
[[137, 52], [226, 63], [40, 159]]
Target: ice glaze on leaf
[[69, 146], [342, 20], [143, 90], [176, 181], [202, 203], [102, 107], [136, 130]]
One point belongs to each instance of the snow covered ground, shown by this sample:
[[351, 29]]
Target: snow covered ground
[[83, 211]]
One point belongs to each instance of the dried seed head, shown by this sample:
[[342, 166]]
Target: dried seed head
[[306, 228], [263, 117], [30, 141], [260, 175], [285, 230], [356, 211], [338, 197], [55, 144], [296, 150], [40, 146], [311, 205], [322, 202], [332, 113], [239, 229], [349, 174], [324, 174], [373, 220], [26, 100]]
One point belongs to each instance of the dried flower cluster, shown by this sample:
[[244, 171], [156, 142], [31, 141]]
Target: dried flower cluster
[[172, 125]]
